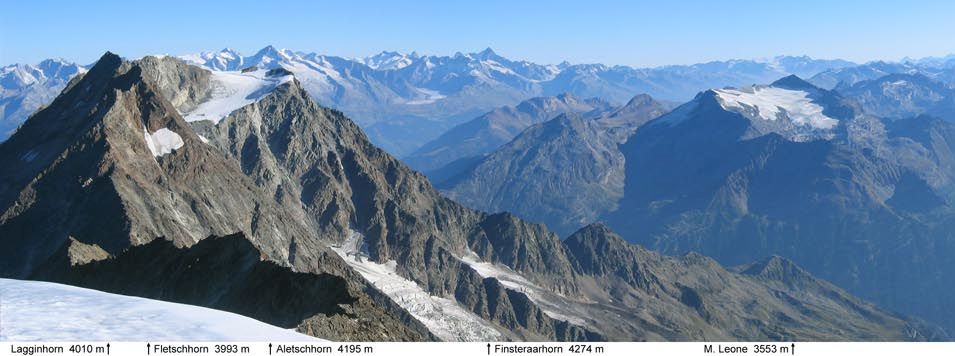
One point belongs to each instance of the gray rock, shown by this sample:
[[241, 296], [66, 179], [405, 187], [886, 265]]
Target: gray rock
[[564, 173]]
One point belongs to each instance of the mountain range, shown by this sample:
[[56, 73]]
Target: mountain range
[[236, 190], [854, 183], [24, 88], [863, 201], [902, 96], [405, 100], [487, 132]]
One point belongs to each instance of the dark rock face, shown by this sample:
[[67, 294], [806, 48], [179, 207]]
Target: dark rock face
[[867, 208], [228, 273], [601, 253], [771, 300], [185, 86], [95, 183], [564, 173], [85, 171], [313, 157]]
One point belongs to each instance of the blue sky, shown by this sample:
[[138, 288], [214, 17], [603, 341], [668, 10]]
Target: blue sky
[[636, 33]]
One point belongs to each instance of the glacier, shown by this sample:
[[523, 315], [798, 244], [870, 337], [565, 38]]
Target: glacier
[[771, 102], [233, 90], [445, 318]]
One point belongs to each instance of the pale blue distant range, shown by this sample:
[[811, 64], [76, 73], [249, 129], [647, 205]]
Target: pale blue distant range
[[633, 33]]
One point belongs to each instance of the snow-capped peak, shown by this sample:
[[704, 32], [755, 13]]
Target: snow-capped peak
[[19, 75], [270, 55], [229, 53], [487, 53], [388, 60], [224, 59]]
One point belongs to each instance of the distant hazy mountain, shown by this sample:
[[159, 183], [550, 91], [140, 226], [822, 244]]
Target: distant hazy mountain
[[487, 132], [900, 96], [565, 172], [679, 82], [405, 100], [940, 69], [233, 190], [805, 173], [25, 87]]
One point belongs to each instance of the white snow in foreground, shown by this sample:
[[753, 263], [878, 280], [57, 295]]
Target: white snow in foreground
[[42, 311], [233, 90], [163, 141], [770, 102], [445, 318], [510, 279]]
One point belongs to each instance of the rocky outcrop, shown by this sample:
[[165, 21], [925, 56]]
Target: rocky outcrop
[[693, 297], [565, 173], [87, 172], [185, 86], [228, 273]]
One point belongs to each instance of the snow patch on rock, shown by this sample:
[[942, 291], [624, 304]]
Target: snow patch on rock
[[771, 103], [445, 318], [233, 90], [428, 97], [163, 141], [42, 311], [553, 307]]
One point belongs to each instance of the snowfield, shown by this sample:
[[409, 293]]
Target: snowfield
[[42, 311], [233, 90], [163, 141], [445, 318], [429, 97], [771, 102], [550, 304]]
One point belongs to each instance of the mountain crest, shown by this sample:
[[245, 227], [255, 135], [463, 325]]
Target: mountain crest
[[595, 233], [794, 82], [780, 269], [639, 100], [487, 53]]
